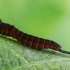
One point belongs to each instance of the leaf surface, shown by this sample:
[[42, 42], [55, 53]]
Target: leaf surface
[[15, 56]]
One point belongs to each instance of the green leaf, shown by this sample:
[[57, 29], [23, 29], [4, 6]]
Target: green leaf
[[15, 56]]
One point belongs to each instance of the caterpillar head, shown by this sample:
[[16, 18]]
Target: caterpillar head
[[0, 22]]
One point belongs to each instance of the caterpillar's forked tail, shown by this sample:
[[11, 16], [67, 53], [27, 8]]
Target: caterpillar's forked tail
[[63, 51]]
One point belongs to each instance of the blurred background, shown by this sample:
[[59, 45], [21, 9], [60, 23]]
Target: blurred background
[[49, 19]]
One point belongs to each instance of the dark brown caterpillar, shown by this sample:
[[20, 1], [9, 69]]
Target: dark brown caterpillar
[[28, 40]]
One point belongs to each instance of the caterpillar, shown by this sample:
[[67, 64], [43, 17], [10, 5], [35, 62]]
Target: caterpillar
[[29, 40]]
